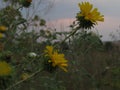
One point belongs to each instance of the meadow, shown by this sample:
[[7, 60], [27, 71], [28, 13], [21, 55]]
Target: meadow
[[32, 56]]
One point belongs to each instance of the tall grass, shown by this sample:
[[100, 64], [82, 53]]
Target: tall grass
[[92, 64]]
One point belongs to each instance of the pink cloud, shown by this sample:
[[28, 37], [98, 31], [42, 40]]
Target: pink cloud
[[61, 24], [110, 24]]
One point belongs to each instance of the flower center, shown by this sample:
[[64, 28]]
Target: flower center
[[88, 16]]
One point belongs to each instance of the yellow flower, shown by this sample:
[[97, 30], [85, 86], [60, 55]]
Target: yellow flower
[[3, 28], [56, 59], [5, 69], [89, 13], [49, 51], [1, 35], [24, 76]]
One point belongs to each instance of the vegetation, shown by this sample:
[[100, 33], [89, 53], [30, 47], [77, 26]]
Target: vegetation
[[32, 57]]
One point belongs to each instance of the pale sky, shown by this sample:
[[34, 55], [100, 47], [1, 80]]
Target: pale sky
[[64, 11]]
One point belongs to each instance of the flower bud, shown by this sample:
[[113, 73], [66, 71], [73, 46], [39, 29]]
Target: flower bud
[[32, 54]]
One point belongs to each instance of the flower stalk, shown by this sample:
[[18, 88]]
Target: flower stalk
[[21, 81]]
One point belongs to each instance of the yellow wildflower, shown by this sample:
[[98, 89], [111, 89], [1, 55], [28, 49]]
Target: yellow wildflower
[[5, 68], [1, 35], [56, 59], [89, 13], [49, 51], [3, 28], [24, 76]]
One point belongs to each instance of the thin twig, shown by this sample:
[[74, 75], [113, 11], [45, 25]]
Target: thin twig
[[21, 81]]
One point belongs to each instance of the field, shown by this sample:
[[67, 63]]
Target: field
[[36, 57]]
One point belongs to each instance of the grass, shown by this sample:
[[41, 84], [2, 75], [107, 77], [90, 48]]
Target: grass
[[92, 64], [96, 70]]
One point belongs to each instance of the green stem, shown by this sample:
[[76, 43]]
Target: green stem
[[21, 81], [71, 34]]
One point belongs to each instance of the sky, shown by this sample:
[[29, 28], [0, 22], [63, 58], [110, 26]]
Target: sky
[[63, 13]]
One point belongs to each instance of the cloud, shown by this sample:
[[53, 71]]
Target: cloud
[[64, 12], [111, 24], [61, 24]]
